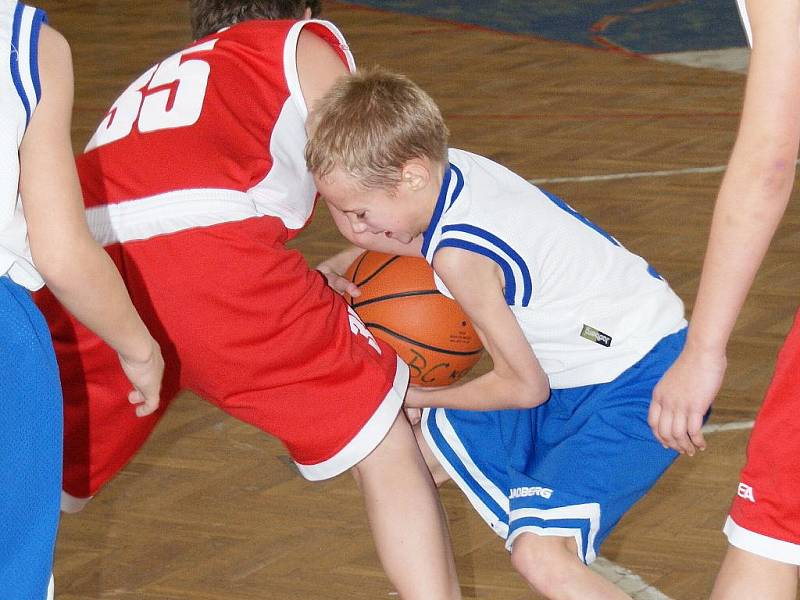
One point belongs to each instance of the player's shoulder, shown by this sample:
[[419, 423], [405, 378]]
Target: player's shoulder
[[54, 49], [487, 177], [315, 43]]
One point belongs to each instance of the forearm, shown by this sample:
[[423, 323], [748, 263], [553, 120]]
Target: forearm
[[90, 287], [487, 392], [749, 207], [759, 179]]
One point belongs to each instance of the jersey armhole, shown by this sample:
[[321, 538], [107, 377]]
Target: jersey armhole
[[510, 289], [329, 33], [24, 56]]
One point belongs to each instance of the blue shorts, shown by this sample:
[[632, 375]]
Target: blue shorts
[[570, 467], [30, 447]]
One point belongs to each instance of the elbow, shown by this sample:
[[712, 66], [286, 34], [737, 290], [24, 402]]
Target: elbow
[[60, 269], [777, 178], [530, 394], [56, 273], [772, 174]]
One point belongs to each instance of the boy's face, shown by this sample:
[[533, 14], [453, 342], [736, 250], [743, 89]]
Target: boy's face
[[397, 214]]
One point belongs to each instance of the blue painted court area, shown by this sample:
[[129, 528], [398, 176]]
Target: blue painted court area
[[641, 27]]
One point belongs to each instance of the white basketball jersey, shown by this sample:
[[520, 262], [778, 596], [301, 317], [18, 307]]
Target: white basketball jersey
[[19, 94], [589, 308]]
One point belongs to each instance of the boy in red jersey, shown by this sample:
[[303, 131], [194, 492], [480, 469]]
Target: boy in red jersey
[[763, 527], [193, 182]]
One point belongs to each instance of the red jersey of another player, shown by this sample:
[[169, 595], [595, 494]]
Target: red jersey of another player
[[193, 182], [208, 135]]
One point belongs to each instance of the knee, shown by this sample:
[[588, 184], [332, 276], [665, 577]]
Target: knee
[[546, 562]]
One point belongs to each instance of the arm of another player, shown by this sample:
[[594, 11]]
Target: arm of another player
[[76, 269], [318, 67], [751, 201], [516, 379]]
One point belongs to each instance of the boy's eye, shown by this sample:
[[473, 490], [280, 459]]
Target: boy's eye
[[360, 215]]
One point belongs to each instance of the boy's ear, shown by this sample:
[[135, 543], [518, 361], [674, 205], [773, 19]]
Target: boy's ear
[[417, 174]]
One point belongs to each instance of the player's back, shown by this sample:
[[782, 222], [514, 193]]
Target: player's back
[[218, 127]]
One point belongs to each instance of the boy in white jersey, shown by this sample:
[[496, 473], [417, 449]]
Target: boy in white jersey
[[578, 328]]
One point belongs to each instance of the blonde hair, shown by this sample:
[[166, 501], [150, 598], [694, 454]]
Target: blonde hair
[[370, 124]]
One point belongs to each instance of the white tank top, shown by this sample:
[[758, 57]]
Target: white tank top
[[19, 94], [589, 308]]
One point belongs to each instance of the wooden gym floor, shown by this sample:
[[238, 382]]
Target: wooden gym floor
[[212, 510]]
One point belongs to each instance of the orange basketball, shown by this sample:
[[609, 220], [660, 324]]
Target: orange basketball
[[400, 304]]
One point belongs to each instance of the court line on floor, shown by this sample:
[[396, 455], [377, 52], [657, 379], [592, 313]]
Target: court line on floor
[[628, 581], [733, 426], [632, 175]]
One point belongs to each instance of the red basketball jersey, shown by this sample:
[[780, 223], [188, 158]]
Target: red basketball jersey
[[193, 182], [172, 154]]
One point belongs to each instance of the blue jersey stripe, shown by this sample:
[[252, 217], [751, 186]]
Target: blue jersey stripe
[[508, 272], [568, 209], [444, 447], [459, 184], [527, 282], [39, 18], [442, 204], [15, 75], [427, 235]]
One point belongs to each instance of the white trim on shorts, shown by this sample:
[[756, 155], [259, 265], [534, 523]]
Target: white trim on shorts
[[487, 514], [589, 511], [366, 440], [762, 545]]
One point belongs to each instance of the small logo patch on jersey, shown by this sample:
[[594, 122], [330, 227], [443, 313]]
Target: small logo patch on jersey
[[596, 336], [524, 492], [746, 492]]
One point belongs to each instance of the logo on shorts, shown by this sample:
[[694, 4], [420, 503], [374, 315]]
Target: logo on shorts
[[746, 492], [357, 327], [525, 492], [596, 336]]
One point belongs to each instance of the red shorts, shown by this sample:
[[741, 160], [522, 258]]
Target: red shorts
[[765, 516], [244, 323]]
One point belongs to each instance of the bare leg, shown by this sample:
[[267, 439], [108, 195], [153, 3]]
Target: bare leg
[[551, 567], [407, 520], [744, 576], [437, 471]]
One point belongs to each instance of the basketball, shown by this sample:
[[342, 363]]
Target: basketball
[[400, 304]]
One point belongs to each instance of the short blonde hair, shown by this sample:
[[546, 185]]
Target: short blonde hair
[[370, 124]]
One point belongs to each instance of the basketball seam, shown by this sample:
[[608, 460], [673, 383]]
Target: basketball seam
[[361, 259], [396, 296], [420, 344], [375, 272]]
